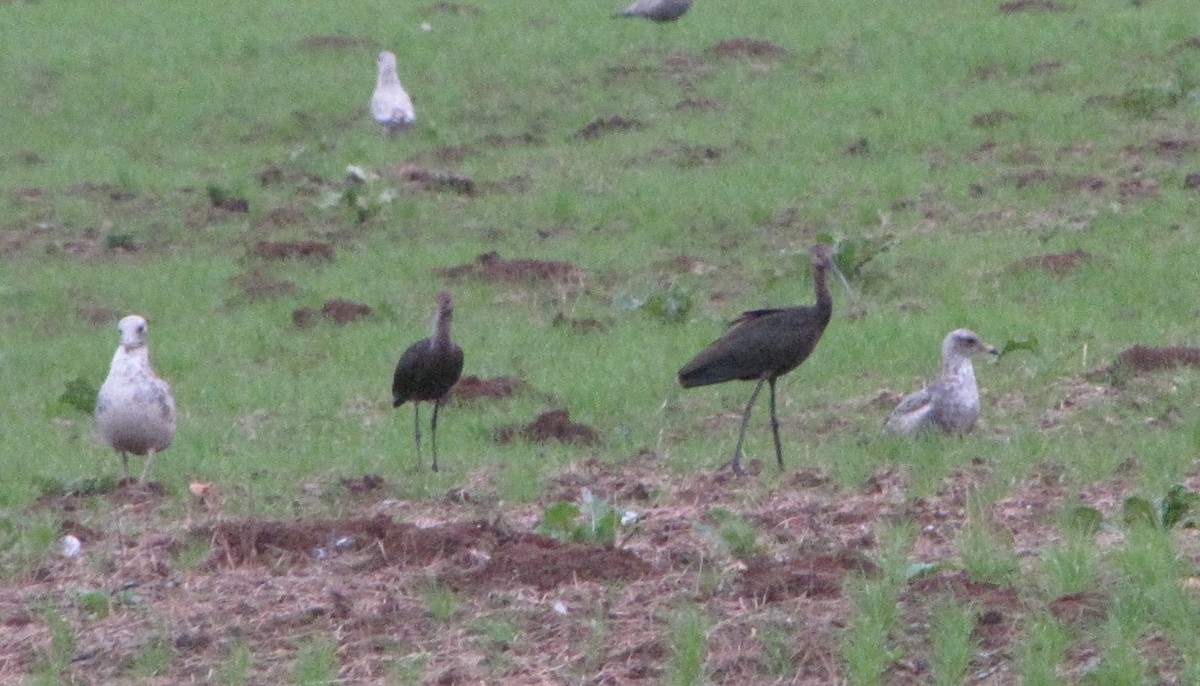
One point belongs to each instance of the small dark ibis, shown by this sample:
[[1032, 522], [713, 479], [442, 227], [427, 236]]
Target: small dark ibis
[[427, 370], [763, 345]]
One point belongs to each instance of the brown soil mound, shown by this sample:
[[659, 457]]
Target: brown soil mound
[[269, 250], [340, 312], [418, 178], [771, 580], [1058, 263], [474, 388], [491, 267], [1141, 359], [555, 425], [748, 47], [601, 126]]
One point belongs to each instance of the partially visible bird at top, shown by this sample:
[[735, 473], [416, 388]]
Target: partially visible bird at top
[[763, 345], [427, 370], [656, 10], [135, 412], [951, 402], [390, 104]]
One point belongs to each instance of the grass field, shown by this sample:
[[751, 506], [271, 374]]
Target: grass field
[[1030, 170]]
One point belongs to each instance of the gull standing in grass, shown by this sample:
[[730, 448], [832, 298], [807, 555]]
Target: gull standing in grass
[[656, 10], [135, 412], [390, 104], [951, 403], [427, 370]]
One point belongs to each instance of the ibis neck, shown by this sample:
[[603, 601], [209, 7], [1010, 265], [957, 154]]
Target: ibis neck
[[824, 300], [441, 330]]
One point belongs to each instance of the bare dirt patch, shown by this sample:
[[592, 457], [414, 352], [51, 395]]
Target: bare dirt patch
[[992, 119], [340, 312], [255, 285], [491, 267], [585, 325], [606, 125], [734, 48], [331, 43], [1058, 264], [311, 250], [466, 555], [462, 583], [281, 217], [1032, 6], [418, 178], [683, 156], [770, 580], [555, 425], [471, 388], [1144, 360]]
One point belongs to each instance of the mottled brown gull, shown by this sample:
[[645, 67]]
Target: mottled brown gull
[[135, 412], [951, 403], [656, 10], [390, 104]]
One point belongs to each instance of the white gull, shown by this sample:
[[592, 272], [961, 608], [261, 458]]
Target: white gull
[[135, 412], [390, 104]]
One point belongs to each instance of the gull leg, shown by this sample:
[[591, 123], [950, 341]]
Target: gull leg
[[146, 467]]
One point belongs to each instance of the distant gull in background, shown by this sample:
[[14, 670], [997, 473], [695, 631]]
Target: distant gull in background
[[135, 412], [656, 10], [951, 403], [390, 104]]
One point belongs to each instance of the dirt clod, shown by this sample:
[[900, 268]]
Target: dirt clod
[[772, 580], [748, 47], [340, 312], [1032, 6], [1057, 263], [493, 268], [601, 126], [555, 425], [418, 178], [471, 388], [270, 250]]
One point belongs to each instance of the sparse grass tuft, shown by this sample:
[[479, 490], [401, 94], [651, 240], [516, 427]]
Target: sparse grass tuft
[[316, 663], [952, 645], [689, 648]]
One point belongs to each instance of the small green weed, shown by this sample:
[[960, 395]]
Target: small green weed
[[733, 532], [1176, 508], [594, 521]]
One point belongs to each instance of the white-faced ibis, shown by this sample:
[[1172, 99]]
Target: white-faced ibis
[[135, 412], [951, 403], [656, 10], [762, 346], [427, 370], [390, 104]]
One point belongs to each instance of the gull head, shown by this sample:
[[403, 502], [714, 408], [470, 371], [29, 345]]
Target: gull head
[[965, 343], [387, 64], [133, 332]]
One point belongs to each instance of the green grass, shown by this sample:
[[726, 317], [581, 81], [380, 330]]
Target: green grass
[[986, 131]]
